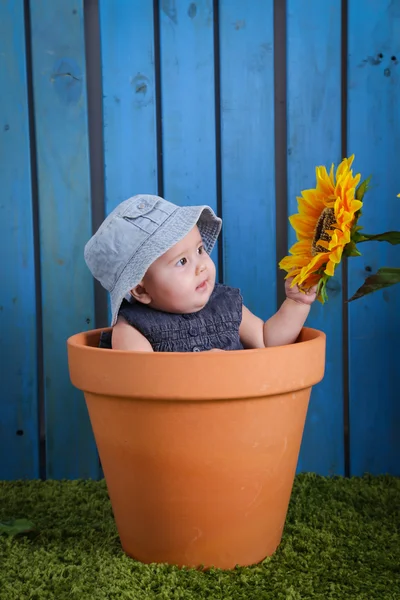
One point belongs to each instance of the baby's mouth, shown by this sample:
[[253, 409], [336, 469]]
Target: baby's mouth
[[202, 285]]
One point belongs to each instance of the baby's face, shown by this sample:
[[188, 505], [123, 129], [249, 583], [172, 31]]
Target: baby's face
[[182, 279]]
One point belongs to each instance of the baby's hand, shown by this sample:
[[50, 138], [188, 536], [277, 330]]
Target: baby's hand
[[293, 293]]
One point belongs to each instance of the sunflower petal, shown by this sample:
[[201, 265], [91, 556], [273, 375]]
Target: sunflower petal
[[330, 269], [303, 226], [323, 244], [302, 248]]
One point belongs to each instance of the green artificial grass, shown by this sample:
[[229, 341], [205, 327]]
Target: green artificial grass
[[341, 541]]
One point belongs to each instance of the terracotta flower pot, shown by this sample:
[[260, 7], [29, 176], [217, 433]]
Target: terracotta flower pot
[[199, 451]]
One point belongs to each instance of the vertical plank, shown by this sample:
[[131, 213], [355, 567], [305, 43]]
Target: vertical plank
[[58, 53], [129, 105], [19, 444], [314, 138], [247, 154], [374, 321], [187, 93]]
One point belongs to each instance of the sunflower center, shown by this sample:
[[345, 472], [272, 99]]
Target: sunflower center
[[325, 222]]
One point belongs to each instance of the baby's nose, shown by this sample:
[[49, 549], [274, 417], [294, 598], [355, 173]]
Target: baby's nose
[[200, 268]]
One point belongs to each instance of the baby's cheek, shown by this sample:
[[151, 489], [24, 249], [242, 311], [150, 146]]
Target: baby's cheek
[[211, 267]]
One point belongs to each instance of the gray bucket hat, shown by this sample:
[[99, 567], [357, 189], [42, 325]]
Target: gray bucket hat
[[135, 234]]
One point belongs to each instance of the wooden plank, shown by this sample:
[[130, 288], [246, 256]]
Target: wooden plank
[[247, 140], [314, 138], [374, 321], [187, 93], [65, 225], [19, 444], [129, 99]]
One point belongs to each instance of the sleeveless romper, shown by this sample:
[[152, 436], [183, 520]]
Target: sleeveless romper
[[214, 326]]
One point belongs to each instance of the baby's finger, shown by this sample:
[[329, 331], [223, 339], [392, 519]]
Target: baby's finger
[[311, 291]]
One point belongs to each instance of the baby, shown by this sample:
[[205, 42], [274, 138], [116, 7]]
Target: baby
[[154, 259]]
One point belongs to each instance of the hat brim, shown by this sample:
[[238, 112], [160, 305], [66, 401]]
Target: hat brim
[[175, 228]]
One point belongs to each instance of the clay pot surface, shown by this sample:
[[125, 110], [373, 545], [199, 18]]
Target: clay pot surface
[[199, 450]]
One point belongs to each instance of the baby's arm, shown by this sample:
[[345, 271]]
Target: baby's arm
[[126, 337], [283, 327]]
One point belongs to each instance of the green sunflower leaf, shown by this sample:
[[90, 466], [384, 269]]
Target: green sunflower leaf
[[362, 188], [385, 277], [351, 249], [393, 237], [322, 294], [354, 252], [356, 237]]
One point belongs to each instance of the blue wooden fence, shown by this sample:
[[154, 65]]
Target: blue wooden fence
[[227, 102]]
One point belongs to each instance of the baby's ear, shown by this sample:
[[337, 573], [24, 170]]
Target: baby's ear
[[140, 294]]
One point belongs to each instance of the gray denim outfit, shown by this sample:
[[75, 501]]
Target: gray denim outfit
[[214, 326]]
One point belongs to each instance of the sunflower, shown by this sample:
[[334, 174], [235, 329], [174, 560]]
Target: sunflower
[[325, 226]]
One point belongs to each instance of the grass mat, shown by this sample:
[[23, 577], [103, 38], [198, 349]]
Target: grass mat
[[341, 541]]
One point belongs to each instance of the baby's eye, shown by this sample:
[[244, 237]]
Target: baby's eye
[[200, 249], [181, 262]]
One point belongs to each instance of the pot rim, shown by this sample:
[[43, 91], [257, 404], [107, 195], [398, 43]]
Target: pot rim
[[180, 376], [307, 335]]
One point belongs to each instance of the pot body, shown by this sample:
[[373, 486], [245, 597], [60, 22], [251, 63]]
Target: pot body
[[199, 451]]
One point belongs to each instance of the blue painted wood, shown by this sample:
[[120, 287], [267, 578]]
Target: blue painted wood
[[314, 138], [19, 444], [247, 132], [374, 321], [190, 167], [187, 94], [127, 53], [65, 225]]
